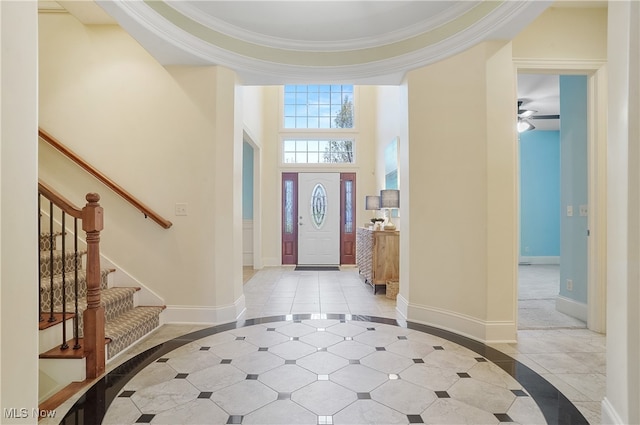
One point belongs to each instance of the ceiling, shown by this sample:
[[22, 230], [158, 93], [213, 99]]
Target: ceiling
[[342, 41], [330, 41], [541, 93]]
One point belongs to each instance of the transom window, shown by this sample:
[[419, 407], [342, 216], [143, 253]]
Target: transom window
[[318, 106], [315, 151]]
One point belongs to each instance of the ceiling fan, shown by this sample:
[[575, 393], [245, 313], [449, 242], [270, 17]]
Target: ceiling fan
[[524, 115]]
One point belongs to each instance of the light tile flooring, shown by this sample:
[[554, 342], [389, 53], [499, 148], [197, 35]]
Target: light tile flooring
[[280, 290], [559, 347], [573, 360], [538, 287]]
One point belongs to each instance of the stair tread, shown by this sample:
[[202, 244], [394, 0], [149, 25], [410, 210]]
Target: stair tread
[[68, 353], [57, 315], [125, 322], [108, 296], [70, 276], [46, 253]]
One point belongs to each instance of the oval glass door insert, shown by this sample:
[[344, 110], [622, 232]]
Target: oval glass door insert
[[318, 205]]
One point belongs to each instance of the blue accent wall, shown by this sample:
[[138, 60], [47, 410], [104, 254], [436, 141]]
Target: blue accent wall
[[574, 188], [540, 193], [247, 181]]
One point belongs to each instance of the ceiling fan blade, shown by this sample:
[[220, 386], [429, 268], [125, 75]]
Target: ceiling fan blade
[[544, 117]]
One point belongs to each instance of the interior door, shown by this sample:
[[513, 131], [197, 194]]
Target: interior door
[[319, 218]]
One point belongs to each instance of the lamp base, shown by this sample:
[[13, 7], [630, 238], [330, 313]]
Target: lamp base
[[390, 226]]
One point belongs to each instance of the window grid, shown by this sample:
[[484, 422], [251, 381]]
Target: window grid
[[318, 151], [318, 106]]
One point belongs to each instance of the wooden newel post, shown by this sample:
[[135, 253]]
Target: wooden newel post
[[92, 224]]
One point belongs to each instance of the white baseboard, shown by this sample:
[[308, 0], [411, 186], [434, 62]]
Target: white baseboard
[[402, 306], [204, 314], [471, 327], [572, 308], [609, 414], [539, 260]]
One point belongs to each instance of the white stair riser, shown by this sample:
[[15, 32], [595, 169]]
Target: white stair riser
[[52, 336]]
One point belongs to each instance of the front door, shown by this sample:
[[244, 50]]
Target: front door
[[319, 218]]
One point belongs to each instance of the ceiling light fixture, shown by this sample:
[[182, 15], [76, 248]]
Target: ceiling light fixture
[[524, 125], [525, 113]]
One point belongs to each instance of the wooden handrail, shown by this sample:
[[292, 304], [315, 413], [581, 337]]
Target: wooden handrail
[[63, 203], [148, 212]]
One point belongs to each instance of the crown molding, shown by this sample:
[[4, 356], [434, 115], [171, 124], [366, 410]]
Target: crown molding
[[189, 43]]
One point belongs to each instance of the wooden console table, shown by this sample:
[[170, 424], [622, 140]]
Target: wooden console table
[[378, 256]]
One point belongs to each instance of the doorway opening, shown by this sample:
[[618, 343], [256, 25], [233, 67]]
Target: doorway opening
[[555, 166]]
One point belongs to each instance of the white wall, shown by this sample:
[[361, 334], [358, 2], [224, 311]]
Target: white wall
[[167, 135], [459, 262], [18, 210], [621, 404], [388, 123], [252, 113], [253, 118], [564, 33]]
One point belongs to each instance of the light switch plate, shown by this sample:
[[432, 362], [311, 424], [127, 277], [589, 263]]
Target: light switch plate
[[181, 209], [569, 210]]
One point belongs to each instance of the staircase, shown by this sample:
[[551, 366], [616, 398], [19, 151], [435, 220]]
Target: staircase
[[104, 318], [85, 317], [125, 323]]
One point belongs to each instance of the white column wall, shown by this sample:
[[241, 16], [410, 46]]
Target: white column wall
[[270, 180], [622, 402], [459, 210], [18, 211], [227, 196]]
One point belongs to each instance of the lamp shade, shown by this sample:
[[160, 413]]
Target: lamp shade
[[390, 198], [372, 202]]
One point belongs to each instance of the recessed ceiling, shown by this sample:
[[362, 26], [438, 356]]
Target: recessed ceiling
[[322, 26], [278, 42]]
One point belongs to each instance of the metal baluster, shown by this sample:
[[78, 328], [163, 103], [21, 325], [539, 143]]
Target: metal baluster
[[76, 333], [64, 345], [51, 316], [40, 319]]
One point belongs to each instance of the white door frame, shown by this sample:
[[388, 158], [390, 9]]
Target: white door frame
[[596, 72]]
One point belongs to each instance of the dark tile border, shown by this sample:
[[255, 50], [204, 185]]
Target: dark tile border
[[92, 405]]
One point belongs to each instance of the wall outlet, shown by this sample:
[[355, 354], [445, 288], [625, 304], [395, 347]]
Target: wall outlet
[[181, 209], [569, 285], [584, 210]]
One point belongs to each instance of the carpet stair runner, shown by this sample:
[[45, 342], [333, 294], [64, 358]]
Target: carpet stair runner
[[125, 323]]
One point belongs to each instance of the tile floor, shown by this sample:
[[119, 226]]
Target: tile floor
[[312, 371], [537, 291]]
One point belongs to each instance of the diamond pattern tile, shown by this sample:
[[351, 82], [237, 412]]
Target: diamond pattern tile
[[260, 375]]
